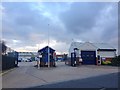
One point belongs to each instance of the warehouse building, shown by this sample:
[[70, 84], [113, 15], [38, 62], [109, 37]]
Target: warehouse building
[[91, 53], [24, 56]]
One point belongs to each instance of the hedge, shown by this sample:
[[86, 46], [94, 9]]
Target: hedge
[[116, 61]]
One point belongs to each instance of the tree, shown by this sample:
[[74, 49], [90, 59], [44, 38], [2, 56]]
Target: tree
[[32, 56], [3, 47]]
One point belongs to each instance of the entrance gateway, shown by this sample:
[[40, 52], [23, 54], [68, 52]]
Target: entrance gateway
[[88, 57]]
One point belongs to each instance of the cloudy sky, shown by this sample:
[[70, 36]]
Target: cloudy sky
[[25, 25]]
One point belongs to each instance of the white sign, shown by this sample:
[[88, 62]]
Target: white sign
[[40, 56], [103, 58]]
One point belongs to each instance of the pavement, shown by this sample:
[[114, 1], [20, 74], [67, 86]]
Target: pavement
[[6, 71], [26, 75]]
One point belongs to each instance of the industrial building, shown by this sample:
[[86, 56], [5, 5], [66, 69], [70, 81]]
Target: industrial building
[[24, 56], [90, 53]]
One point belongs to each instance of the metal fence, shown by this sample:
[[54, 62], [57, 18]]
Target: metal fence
[[8, 62]]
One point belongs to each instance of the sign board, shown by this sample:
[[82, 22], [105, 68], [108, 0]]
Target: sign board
[[103, 59], [40, 56]]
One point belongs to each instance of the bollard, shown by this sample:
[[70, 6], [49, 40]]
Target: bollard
[[38, 64]]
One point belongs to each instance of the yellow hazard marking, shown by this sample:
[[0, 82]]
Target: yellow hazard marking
[[6, 71]]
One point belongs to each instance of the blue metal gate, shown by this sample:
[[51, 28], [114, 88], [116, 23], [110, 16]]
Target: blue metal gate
[[88, 57]]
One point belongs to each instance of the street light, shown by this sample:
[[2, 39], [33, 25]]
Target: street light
[[48, 49]]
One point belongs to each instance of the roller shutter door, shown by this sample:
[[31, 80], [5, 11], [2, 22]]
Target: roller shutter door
[[88, 57]]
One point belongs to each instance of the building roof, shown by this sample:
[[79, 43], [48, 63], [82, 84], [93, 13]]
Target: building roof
[[103, 46], [46, 48], [76, 44], [97, 45]]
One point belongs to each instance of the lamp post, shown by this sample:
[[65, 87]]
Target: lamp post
[[48, 49]]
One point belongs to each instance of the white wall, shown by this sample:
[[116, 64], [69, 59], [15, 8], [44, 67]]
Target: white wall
[[109, 54], [88, 47]]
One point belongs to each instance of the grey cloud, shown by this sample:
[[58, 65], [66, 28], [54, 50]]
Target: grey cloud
[[30, 26], [81, 16], [22, 20], [111, 25]]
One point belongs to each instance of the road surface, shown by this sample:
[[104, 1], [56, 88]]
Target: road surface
[[26, 75], [103, 81]]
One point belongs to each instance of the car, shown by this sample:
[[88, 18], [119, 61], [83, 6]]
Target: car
[[29, 60], [24, 59], [19, 59]]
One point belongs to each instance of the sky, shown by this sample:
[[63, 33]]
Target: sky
[[26, 26]]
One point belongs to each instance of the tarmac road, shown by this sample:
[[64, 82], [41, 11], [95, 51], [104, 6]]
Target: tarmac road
[[26, 76], [103, 81]]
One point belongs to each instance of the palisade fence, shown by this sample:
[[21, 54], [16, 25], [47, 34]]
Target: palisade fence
[[8, 57], [9, 62]]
